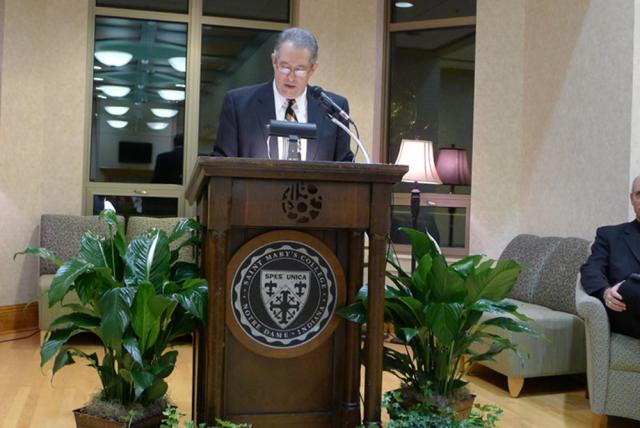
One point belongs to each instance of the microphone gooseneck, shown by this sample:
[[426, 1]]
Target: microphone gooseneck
[[332, 108]]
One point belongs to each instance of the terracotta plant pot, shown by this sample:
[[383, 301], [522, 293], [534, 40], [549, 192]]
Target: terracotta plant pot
[[84, 420], [463, 407], [411, 397]]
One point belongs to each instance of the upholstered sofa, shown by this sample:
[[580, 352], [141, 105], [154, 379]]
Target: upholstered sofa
[[545, 292], [62, 234], [613, 363]]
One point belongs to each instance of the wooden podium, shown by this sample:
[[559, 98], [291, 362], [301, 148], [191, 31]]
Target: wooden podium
[[283, 247]]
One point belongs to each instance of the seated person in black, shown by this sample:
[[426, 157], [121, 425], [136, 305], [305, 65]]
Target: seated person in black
[[612, 271], [168, 167]]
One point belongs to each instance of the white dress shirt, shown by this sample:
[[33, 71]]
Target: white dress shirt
[[300, 109]]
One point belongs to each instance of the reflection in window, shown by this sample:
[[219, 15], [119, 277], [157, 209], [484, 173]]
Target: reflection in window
[[431, 92], [138, 101], [420, 10], [129, 206], [263, 10], [231, 58], [155, 5], [447, 225]]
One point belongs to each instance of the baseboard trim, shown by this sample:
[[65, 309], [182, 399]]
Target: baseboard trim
[[14, 318]]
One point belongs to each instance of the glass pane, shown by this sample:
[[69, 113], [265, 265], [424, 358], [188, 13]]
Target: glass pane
[[431, 91], [263, 10], [231, 58], [156, 5], [129, 206], [138, 101], [446, 225], [419, 10]]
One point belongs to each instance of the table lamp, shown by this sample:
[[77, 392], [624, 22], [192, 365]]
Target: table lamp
[[453, 169], [418, 155]]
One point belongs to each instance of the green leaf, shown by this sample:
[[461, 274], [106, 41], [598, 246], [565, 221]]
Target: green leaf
[[444, 320], [62, 359], [394, 261], [119, 240], [419, 284], [145, 323], [65, 277], [54, 342], [355, 312], [501, 307], [159, 304], [183, 325], [421, 243], [511, 325], [141, 381], [183, 227], [147, 259], [493, 284], [165, 364], [43, 253], [195, 283], [363, 292], [92, 249], [405, 311], [446, 284], [194, 301], [77, 320], [183, 271], [156, 390], [466, 266], [133, 348], [115, 307]]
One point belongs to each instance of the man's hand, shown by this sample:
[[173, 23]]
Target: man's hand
[[613, 299]]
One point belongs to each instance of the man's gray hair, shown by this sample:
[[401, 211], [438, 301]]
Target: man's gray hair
[[301, 39]]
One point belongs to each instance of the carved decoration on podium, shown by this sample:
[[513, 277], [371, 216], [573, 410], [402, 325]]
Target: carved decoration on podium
[[302, 202], [285, 288]]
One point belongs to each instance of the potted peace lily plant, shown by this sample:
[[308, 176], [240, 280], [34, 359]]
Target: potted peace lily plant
[[135, 299], [436, 313]]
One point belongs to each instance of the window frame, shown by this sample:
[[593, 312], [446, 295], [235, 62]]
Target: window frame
[[442, 200], [194, 20]]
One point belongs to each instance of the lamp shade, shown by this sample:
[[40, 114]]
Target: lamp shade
[[453, 166], [418, 155]]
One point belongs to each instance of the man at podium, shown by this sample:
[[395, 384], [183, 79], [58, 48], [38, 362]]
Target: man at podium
[[247, 111]]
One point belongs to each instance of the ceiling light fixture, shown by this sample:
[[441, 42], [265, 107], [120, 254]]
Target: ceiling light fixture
[[157, 126], [179, 63], [115, 91], [117, 123], [116, 110], [114, 58], [164, 113], [171, 95], [403, 4], [98, 79]]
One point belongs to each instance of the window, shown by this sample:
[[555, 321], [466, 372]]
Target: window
[[138, 101], [155, 5], [231, 58], [265, 10], [148, 122], [430, 97]]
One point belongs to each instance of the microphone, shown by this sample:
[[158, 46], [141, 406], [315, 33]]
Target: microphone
[[331, 107]]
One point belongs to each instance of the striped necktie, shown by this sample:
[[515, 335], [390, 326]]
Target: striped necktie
[[289, 114], [293, 151]]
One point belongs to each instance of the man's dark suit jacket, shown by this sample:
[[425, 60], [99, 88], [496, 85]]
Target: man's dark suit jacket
[[169, 167], [615, 254], [246, 112]]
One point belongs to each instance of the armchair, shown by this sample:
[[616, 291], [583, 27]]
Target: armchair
[[613, 363]]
